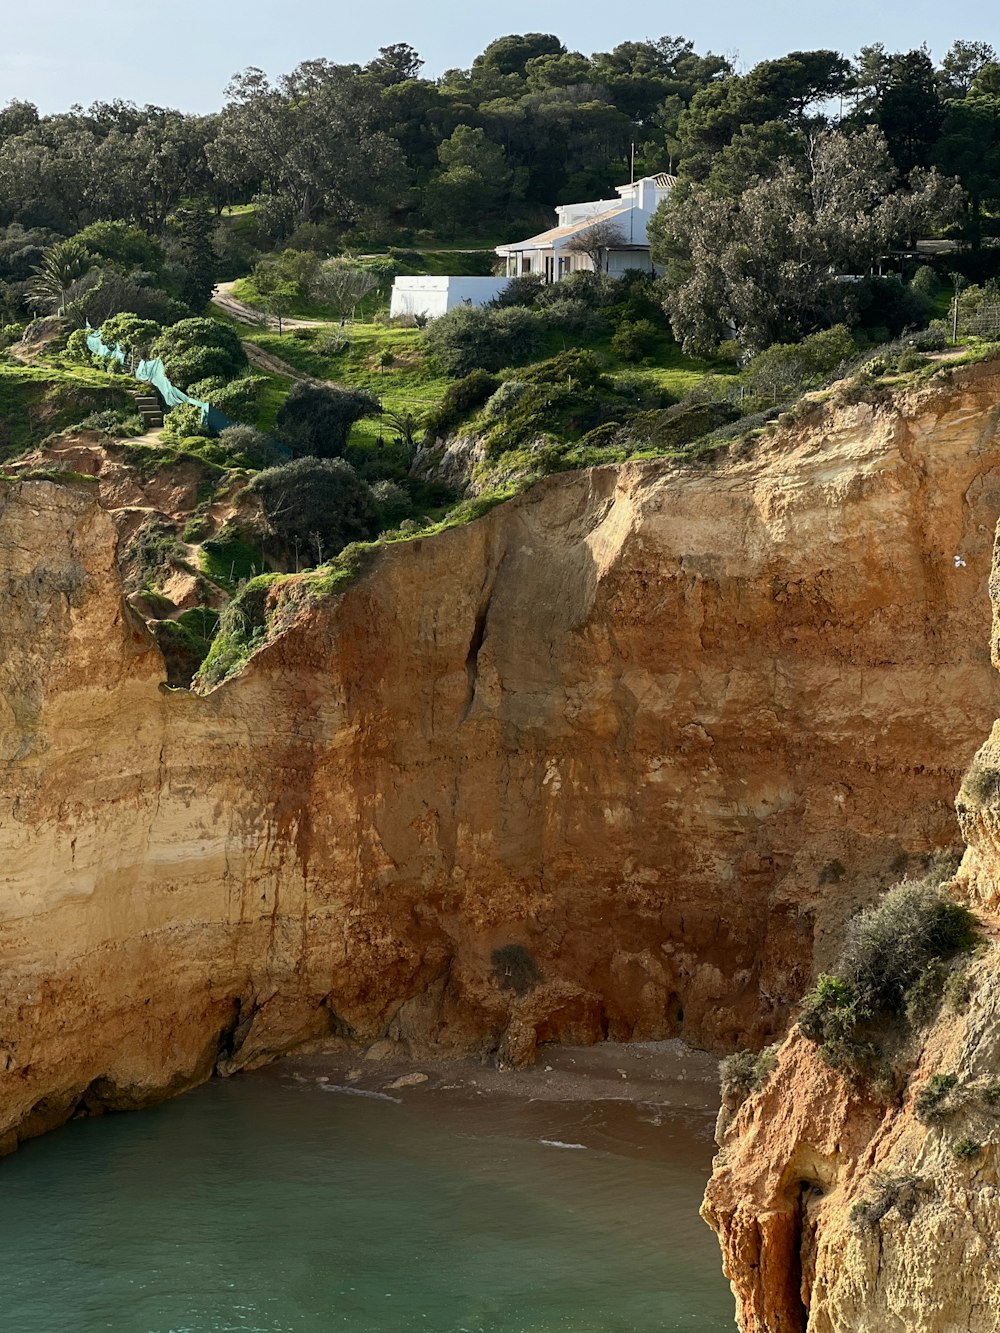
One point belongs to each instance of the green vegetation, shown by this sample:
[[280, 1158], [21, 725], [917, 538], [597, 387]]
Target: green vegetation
[[938, 1098], [902, 945], [967, 1150], [901, 1191], [745, 1072], [37, 402]]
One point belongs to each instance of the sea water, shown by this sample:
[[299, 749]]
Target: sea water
[[277, 1203]]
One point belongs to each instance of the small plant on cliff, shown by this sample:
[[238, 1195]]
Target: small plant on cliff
[[744, 1072], [966, 1149], [937, 1099], [887, 1191], [889, 975], [981, 785], [515, 969]]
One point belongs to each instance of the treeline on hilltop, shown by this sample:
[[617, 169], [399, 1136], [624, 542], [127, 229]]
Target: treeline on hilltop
[[808, 167]]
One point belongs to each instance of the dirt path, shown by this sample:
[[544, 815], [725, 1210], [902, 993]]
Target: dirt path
[[275, 366], [223, 298]]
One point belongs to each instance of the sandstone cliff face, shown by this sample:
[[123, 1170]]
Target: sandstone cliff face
[[662, 729], [809, 1148]]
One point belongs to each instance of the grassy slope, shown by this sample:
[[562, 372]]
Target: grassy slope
[[36, 401]]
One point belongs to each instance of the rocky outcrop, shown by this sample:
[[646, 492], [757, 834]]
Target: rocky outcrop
[[842, 1209], [616, 759]]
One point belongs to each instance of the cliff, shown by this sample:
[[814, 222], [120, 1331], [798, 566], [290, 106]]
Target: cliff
[[617, 759], [844, 1208]]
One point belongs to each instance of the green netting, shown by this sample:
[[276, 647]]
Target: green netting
[[153, 372]]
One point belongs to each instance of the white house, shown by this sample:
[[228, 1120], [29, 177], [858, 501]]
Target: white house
[[433, 296], [552, 254]]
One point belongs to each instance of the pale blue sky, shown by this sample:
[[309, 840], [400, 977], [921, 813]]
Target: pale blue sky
[[182, 52]]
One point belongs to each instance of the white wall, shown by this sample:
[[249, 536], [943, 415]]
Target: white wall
[[434, 296]]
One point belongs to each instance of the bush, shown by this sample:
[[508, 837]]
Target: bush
[[116, 421], [571, 315], [470, 338], [596, 290], [249, 447], [902, 1192], [744, 1072], [392, 501], [182, 422], [891, 949], [316, 419], [936, 1100], [316, 505], [522, 290], [195, 349], [236, 398], [637, 340], [966, 1149], [926, 282], [458, 401], [135, 336]]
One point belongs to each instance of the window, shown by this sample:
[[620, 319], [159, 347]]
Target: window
[[549, 264], [525, 263]]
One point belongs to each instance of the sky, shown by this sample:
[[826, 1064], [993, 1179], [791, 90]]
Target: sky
[[182, 53]]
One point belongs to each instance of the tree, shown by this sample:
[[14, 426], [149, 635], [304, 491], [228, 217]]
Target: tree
[[311, 144], [910, 111], [127, 247], [316, 419], [473, 179], [766, 262], [962, 64], [60, 266], [342, 285], [969, 147], [596, 241], [316, 505], [193, 224]]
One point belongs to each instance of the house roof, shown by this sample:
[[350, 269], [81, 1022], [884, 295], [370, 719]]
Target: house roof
[[556, 234]]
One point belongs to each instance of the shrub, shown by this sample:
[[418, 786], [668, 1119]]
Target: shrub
[[981, 784], [249, 447], [596, 290], [316, 419], [236, 398], [194, 349], [123, 245], [470, 338], [458, 401], [966, 1149], [935, 1099], [572, 315], [515, 969], [521, 290], [135, 336], [637, 340], [182, 422], [925, 281], [889, 949], [316, 505], [392, 501], [117, 421], [902, 1192], [744, 1072]]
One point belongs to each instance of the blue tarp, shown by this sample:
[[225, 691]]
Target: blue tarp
[[152, 372]]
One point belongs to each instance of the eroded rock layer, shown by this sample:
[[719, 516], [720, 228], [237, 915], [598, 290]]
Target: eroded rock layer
[[661, 730], [844, 1207]]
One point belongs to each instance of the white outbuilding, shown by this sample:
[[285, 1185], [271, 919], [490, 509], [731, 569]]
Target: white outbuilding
[[434, 296]]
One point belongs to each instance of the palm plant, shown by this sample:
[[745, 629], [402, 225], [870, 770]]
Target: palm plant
[[61, 265]]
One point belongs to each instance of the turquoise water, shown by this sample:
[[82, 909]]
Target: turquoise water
[[266, 1205]]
